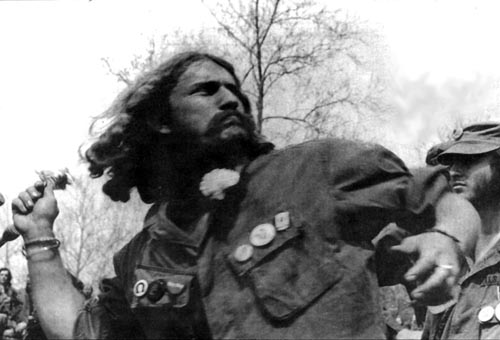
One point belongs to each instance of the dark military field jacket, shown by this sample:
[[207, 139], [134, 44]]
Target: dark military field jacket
[[316, 278], [480, 289]]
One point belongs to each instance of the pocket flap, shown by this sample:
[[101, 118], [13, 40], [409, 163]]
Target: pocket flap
[[291, 272]]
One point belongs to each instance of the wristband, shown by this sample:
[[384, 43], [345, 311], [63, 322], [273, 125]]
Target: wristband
[[442, 232], [43, 244]]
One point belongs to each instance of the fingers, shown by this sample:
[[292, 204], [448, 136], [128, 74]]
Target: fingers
[[408, 246], [26, 200], [437, 288], [422, 267], [49, 188], [436, 269]]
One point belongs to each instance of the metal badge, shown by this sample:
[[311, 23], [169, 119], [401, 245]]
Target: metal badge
[[243, 253], [486, 314], [282, 221], [156, 290], [140, 288], [175, 288], [262, 234]]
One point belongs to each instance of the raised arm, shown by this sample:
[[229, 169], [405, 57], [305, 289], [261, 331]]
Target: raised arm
[[56, 300]]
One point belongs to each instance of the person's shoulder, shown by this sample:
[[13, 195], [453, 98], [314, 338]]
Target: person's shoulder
[[335, 147], [328, 143]]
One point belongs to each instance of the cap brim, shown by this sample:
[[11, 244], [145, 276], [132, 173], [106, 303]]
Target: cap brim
[[468, 147]]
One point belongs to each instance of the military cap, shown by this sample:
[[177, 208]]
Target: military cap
[[435, 151], [474, 139]]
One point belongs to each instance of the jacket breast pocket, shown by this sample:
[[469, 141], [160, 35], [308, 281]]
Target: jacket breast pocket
[[291, 273]]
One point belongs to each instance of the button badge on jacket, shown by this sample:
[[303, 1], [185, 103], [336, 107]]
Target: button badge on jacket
[[243, 253], [140, 288], [262, 234], [175, 288], [486, 314], [282, 221], [156, 290]]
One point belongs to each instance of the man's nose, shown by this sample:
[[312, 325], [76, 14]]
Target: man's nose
[[228, 100], [455, 169]]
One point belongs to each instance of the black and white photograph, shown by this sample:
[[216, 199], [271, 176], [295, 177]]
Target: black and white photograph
[[250, 169]]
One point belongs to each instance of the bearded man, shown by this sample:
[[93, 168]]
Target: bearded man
[[473, 161], [242, 241]]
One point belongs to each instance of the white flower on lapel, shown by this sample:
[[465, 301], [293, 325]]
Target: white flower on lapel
[[216, 181]]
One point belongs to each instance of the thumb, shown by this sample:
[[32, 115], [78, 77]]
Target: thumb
[[408, 246], [49, 188]]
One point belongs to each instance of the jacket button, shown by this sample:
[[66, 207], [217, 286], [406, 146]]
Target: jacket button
[[262, 234], [243, 253]]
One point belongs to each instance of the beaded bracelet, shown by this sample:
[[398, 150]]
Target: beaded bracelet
[[44, 244], [442, 232]]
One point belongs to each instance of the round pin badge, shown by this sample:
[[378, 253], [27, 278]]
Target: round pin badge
[[140, 288], [262, 234], [156, 290], [243, 253], [486, 314]]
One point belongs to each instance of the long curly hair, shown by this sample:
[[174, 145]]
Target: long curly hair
[[122, 150]]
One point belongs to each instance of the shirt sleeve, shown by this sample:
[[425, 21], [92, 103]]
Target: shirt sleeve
[[373, 188], [107, 316]]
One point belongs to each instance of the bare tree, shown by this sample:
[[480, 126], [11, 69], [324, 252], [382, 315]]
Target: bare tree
[[312, 62], [160, 48], [92, 228]]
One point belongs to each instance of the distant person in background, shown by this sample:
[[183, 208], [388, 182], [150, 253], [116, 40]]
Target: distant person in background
[[11, 319]]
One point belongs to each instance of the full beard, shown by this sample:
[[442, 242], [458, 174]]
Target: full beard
[[229, 134]]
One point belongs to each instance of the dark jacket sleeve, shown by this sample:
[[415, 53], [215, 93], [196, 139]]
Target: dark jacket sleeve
[[373, 188], [107, 316]]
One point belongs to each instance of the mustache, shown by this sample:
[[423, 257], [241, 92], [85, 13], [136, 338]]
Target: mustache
[[217, 121]]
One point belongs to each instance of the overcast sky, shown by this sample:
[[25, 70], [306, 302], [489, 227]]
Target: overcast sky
[[52, 78]]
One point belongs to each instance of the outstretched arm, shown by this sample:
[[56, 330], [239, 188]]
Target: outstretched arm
[[56, 300]]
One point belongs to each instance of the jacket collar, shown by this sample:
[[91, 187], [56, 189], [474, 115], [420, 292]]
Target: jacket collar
[[160, 227]]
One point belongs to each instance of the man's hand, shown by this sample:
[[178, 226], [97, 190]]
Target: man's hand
[[34, 210], [436, 269]]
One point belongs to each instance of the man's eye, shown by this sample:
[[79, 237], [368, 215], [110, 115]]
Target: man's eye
[[209, 88]]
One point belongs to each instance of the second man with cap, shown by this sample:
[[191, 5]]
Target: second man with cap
[[473, 159]]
